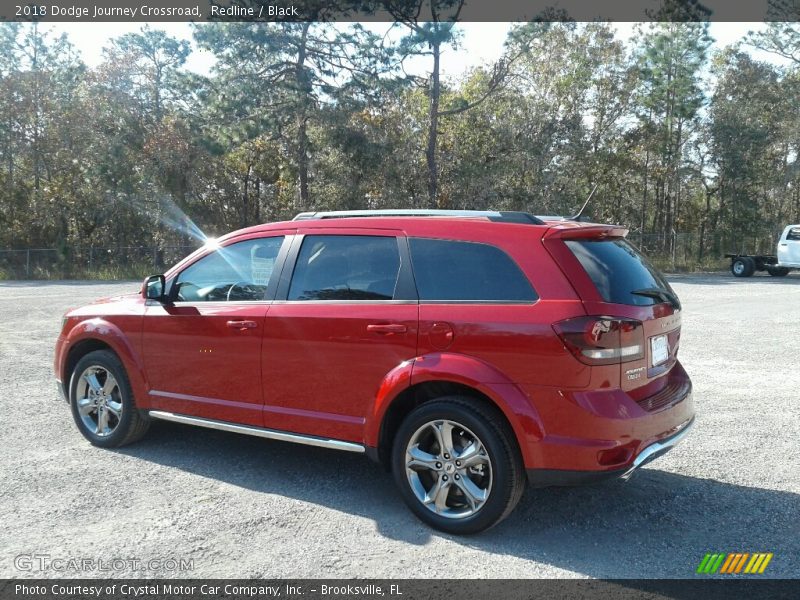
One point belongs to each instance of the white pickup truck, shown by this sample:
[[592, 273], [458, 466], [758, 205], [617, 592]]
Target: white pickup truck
[[779, 265]]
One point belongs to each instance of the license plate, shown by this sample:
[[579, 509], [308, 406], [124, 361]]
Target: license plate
[[659, 349]]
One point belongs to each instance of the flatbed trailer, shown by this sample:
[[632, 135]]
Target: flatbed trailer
[[777, 265], [744, 265]]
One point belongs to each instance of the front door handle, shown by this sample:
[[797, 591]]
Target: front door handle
[[242, 325], [387, 329]]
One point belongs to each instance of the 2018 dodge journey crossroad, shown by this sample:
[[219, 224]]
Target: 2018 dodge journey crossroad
[[467, 351]]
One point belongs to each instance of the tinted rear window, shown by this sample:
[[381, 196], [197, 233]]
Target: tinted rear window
[[617, 269], [465, 271], [794, 234]]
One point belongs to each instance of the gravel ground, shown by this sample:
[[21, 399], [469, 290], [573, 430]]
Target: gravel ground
[[245, 507]]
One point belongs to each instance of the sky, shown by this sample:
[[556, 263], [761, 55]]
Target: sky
[[482, 43]]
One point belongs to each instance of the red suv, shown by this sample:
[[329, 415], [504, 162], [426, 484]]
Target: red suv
[[466, 351]]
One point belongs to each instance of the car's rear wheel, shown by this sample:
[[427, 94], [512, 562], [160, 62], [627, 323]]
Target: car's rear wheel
[[778, 271], [743, 266], [102, 401], [457, 465]]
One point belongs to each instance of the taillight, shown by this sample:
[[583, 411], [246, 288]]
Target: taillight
[[602, 340]]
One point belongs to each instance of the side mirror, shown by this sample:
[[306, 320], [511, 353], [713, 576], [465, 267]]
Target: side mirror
[[154, 288]]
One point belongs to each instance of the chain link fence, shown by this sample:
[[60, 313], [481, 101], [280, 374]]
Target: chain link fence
[[695, 252], [124, 262], [670, 252]]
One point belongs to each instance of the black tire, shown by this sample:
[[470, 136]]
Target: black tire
[[743, 266], [507, 471], [778, 271], [132, 423]]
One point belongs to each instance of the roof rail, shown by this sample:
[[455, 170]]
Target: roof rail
[[580, 219], [499, 216]]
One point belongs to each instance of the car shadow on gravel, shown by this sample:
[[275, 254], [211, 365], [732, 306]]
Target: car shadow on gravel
[[658, 524]]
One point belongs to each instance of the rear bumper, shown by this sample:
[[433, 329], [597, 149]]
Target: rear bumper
[[602, 433], [658, 448], [564, 477]]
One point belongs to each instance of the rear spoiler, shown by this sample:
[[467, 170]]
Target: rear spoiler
[[582, 232]]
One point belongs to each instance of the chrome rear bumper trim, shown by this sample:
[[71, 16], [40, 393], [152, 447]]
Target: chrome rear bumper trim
[[271, 434], [658, 448]]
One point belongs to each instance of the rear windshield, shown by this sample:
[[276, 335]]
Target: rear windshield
[[617, 269]]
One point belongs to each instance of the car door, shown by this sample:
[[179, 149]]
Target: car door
[[345, 315], [202, 352]]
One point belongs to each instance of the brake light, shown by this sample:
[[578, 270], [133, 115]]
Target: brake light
[[602, 340]]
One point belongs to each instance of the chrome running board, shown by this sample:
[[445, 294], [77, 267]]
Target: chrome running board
[[271, 434]]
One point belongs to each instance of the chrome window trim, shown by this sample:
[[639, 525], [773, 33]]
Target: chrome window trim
[[358, 302], [484, 302], [198, 303]]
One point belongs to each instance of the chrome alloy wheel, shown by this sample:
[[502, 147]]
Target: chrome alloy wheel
[[99, 401], [448, 469]]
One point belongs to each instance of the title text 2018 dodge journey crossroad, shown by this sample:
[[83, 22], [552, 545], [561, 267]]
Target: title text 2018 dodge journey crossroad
[[466, 351]]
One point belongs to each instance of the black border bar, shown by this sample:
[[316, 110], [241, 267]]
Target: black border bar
[[394, 10], [401, 589]]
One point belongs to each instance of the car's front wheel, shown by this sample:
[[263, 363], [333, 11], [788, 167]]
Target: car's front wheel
[[457, 465], [102, 401]]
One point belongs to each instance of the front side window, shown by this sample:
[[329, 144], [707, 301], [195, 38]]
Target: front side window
[[346, 267], [448, 270], [235, 273], [794, 234]]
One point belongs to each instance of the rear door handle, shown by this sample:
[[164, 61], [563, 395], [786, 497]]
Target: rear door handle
[[242, 325], [387, 329]]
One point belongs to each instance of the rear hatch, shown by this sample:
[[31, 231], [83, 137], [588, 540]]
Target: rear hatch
[[633, 315]]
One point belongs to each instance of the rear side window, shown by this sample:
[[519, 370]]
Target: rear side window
[[346, 267], [794, 234], [618, 269], [466, 271]]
